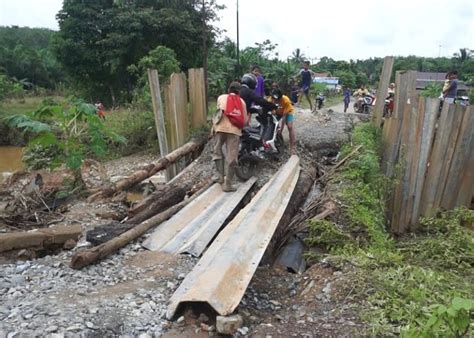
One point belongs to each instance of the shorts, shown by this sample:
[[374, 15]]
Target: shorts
[[305, 89], [289, 118], [449, 100]]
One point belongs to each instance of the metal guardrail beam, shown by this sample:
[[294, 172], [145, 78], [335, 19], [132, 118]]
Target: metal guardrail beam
[[194, 227], [222, 275]]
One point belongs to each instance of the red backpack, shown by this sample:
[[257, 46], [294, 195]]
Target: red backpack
[[234, 110]]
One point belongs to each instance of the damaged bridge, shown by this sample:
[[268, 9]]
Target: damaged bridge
[[222, 275]]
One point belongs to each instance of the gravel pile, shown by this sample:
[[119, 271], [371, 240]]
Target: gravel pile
[[113, 297]]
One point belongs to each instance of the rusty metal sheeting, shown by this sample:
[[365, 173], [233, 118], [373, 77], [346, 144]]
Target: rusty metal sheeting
[[194, 227], [222, 275]]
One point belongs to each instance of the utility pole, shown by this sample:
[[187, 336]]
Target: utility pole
[[204, 47], [238, 47], [439, 51]]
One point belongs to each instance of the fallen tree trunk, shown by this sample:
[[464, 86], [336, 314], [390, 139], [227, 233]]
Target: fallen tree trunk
[[86, 257], [150, 169], [42, 238], [165, 200], [303, 186]]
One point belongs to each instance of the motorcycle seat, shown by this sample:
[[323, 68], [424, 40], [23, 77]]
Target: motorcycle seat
[[252, 130]]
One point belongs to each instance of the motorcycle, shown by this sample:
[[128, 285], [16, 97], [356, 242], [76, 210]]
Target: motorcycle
[[388, 107], [258, 142], [320, 100], [365, 104]]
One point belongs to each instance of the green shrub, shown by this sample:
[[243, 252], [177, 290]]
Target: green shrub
[[65, 132]]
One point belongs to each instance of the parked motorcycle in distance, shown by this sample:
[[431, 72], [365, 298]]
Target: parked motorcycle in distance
[[388, 107], [320, 98], [365, 104], [258, 143]]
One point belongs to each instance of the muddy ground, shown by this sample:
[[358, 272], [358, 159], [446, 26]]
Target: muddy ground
[[127, 293]]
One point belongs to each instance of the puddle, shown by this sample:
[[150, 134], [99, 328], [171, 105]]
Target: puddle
[[10, 161]]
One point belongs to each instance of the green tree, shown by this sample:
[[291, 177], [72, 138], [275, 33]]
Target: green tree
[[164, 61], [346, 78], [99, 40]]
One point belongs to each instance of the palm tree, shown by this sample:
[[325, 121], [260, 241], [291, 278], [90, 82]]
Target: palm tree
[[463, 55], [297, 56]]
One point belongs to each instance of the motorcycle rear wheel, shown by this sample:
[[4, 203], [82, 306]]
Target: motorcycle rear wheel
[[245, 169], [279, 142]]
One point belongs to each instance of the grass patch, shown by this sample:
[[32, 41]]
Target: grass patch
[[137, 126], [420, 285]]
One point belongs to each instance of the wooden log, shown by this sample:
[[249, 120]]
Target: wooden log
[[150, 169], [86, 257], [163, 201], [150, 199], [42, 238]]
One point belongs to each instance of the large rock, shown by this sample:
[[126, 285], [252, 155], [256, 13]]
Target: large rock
[[229, 325]]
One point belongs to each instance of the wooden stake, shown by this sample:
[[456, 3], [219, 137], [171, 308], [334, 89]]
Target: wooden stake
[[159, 114], [382, 90]]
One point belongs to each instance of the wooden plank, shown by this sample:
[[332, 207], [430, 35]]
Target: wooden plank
[[412, 147], [194, 227], [158, 111], [392, 138], [170, 118], [407, 86], [224, 272], [178, 107], [453, 132], [461, 164], [197, 97], [382, 90], [426, 140], [428, 206]]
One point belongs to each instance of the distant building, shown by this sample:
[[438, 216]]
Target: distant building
[[325, 78], [423, 79]]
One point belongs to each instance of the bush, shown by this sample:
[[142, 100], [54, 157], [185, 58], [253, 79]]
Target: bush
[[65, 133]]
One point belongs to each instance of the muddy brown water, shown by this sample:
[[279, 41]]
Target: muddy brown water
[[10, 161]]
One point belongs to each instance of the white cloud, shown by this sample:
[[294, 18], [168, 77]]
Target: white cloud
[[354, 29], [32, 13], [340, 29]]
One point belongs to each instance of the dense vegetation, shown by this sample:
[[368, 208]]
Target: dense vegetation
[[104, 47], [99, 47], [420, 285], [26, 58]]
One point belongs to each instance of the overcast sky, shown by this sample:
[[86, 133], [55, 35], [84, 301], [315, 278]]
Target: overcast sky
[[334, 28]]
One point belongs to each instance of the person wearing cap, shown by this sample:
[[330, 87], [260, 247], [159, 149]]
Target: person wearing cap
[[285, 110], [228, 123]]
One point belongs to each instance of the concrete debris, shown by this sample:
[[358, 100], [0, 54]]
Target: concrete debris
[[229, 324]]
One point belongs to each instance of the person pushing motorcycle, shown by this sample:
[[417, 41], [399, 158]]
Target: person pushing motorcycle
[[285, 110]]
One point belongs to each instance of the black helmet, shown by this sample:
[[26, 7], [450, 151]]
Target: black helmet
[[250, 80], [277, 94]]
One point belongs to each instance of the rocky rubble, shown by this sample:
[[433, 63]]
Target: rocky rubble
[[114, 297]]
